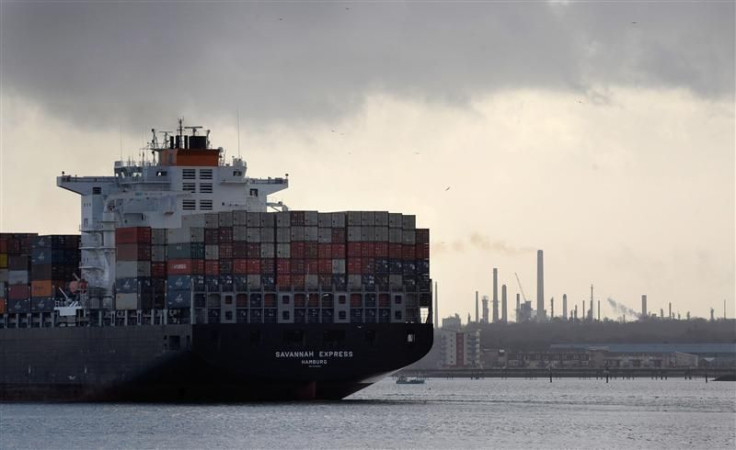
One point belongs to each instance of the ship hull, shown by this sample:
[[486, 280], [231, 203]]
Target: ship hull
[[204, 363]]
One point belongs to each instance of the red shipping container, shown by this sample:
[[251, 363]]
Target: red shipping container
[[394, 251], [254, 266], [211, 236], [297, 249], [300, 300], [254, 251], [356, 300], [240, 266], [158, 269], [298, 267], [179, 267], [325, 251], [355, 266], [283, 280], [338, 251], [212, 267], [197, 267], [268, 266], [368, 265], [240, 250], [225, 234], [297, 281], [3, 244], [311, 250], [283, 266], [407, 252], [381, 250], [355, 249], [338, 235], [2, 306], [226, 251], [368, 250], [312, 266], [325, 266], [421, 251], [133, 252], [19, 292], [133, 235]]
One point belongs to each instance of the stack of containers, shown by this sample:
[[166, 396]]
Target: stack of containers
[[158, 267], [54, 261], [185, 260], [19, 269], [133, 286]]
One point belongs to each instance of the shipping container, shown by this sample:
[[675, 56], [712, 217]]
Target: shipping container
[[180, 267], [211, 221], [254, 220], [324, 220], [240, 218], [178, 299], [338, 266], [43, 305], [158, 236], [283, 250], [268, 220], [211, 236], [18, 306], [268, 251], [16, 277], [283, 219], [311, 234], [212, 268], [268, 235], [185, 251], [225, 219], [45, 288], [19, 262], [253, 235], [132, 269], [212, 252], [133, 252], [225, 235], [3, 305], [19, 291], [133, 235], [3, 260]]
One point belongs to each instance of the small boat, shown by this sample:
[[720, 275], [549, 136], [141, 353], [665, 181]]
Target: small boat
[[406, 380]]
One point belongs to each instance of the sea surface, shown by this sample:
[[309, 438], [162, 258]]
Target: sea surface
[[460, 413]]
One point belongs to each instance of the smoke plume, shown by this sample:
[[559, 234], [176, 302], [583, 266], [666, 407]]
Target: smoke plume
[[623, 309]]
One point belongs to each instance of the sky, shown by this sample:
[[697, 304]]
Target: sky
[[602, 133]]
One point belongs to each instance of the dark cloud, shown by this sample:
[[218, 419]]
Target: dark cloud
[[100, 64]]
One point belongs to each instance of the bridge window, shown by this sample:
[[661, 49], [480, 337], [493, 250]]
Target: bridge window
[[188, 174], [97, 190], [188, 205], [205, 204], [205, 188], [237, 173], [254, 192], [188, 187], [205, 174]]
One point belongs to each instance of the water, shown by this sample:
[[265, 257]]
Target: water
[[514, 413]]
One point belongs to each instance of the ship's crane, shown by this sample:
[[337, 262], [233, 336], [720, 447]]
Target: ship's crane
[[520, 288]]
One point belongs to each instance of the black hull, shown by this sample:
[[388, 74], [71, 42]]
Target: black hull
[[204, 363]]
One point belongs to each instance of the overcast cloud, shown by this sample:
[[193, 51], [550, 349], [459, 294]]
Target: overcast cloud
[[132, 63]]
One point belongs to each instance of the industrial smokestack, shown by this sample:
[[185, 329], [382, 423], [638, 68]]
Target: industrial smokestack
[[552, 308], [495, 295], [477, 319], [540, 286], [504, 317], [564, 306], [518, 307], [575, 315], [644, 313], [485, 309], [599, 310], [669, 316]]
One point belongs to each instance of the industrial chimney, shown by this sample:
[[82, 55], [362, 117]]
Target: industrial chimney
[[540, 286], [644, 313], [504, 317], [518, 308], [495, 295], [564, 306], [477, 319], [485, 309]]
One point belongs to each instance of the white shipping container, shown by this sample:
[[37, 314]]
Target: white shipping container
[[408, 222], [408, 237], [283, 219], [283, 235], [324, 220], [225, 219], [253, 235], [381, 234], [394, 220], [367, 218], [355, 281], [283, 250], [132, 269], [297, 233], [178, 236], [354, 218], [253, 220], [395, 235], [338, 266], [311, 234], [211, 252], [354, 234], [338, 219], [240, 218], [268, 251], [240, 233], [311, 218], [325, 235], [268, 235], [381, 218], [126, 302], [311, 281]]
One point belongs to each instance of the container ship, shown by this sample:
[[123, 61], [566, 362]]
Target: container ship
[[187, 284]]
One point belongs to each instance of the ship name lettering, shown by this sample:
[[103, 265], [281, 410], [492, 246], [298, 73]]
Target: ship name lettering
[[336, 354], [304, 354]]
